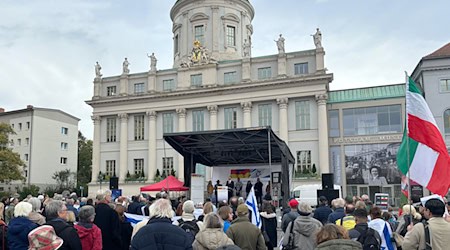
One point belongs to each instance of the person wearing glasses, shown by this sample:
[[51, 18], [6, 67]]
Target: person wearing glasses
[[57, 218]]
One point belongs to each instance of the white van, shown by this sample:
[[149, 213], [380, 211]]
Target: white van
[[308, 193]]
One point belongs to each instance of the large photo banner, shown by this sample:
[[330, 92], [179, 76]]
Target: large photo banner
[[372, 164]]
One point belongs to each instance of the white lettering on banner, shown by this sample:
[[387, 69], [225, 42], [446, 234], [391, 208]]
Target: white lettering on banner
[[362, 139]]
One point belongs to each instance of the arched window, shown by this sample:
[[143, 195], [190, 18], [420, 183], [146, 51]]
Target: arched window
[[447, 121]]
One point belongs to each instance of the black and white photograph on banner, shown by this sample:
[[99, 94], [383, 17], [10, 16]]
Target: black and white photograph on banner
[[372, 164]]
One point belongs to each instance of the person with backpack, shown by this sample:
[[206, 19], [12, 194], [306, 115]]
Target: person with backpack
[[159, 233], [383, 228], [410, 215], [187, 222], [348, 221], [433, 234], [291, 215], [368, 237]]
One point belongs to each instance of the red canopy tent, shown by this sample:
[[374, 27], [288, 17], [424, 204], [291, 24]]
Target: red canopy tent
[[170, 184]]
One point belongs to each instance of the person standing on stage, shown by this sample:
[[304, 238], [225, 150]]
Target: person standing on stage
[[258, 190]]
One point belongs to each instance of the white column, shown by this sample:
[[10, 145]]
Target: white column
[[212, 116], [323, 133], [96, 148], [247, 110], [151, 168], [123, 155], [181, 128], [283, 118], [212, 125]]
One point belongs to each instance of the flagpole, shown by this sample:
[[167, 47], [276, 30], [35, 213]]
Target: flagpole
[[408, 174]]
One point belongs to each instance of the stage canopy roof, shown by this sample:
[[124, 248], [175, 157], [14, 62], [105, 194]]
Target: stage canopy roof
[[222, 148], [231, 147]]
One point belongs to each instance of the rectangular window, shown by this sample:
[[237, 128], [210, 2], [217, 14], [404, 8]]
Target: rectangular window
[[139, 88], [302, 115], [231, 36], [26, 157], [303, 167], [372, 120], [28, 125], [264, 73], [64, 131], [111, 90], [167, 166], [230, 118], [333, 119], [301, 68], [168, 123], [27, 141], [168, 85], [199, 34], [111, 129], [138, 166], [64, 145], [63, 160], [445, 85], [19, 142], [196, 80], [175, 44], [197, 120], [265, 114], [110, 168], [230, 77], [139, 127], [20, 126]]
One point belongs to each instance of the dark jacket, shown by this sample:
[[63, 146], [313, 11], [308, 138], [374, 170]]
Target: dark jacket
[[90, 236], [321, 213], [135, 208], [269, 225], [160, 234], [108, 221], [18, 230], [3, 233], [126, 230], [287, 218], [338, 213], [258, 188], [357, 230], [67, 233]]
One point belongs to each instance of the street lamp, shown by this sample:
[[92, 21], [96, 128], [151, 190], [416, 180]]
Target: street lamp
[[100, 178]]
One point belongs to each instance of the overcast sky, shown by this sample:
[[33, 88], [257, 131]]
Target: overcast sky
[[48, 48]]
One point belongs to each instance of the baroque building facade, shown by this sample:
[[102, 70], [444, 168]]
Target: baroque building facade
[[214, 83], [47, 142]]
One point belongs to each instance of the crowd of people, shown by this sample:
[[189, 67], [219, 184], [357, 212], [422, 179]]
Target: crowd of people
[[101, 223]]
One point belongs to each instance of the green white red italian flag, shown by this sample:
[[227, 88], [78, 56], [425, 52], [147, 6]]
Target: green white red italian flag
[[423, 154]]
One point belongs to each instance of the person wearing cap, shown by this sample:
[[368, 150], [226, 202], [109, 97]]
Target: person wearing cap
[[44, 237], [291, 216], [323, 210], [243, 233], [56, 213], [20, 226], [304, 228], [439, 228]]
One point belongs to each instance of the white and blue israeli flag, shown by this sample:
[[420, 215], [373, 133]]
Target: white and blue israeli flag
[[383, 228], [252, 205], [135, 218]]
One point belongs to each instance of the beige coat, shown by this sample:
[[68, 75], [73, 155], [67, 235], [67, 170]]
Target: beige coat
[[439, 234], [211, 239]]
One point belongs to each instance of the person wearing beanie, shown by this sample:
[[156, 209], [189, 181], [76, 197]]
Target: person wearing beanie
[[291, 216], [252, 238], [304, 228]]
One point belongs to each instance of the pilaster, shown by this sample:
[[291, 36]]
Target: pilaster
[[283, 119], [151, 167], [282, 65], [323, 133], [96, 148], [212, 116], [123, 155], [181, 128], [247, 110], [123, 91]]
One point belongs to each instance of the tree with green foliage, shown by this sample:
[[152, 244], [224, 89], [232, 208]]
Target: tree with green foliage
[[29, 190], [84, 170], [10, 161], [64, 179], [314, 169], [173, 172]]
